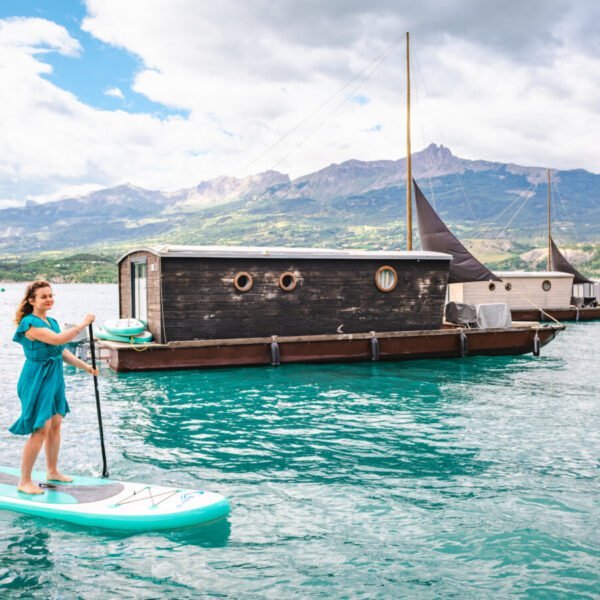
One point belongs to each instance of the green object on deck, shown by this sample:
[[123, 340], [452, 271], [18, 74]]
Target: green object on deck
[[124, 327], [140, 338]]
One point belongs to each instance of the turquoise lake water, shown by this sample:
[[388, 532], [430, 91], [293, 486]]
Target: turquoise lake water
[[464, 478]]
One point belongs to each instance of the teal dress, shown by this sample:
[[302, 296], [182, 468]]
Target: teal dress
[[41, 386]]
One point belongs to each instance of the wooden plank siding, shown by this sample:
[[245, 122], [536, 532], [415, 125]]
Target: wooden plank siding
[[201, 302], [153, 290]]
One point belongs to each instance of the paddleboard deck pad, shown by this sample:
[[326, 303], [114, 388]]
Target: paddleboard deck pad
[[112, 504]]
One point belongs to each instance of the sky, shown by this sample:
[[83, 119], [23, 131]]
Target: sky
[[164, 94]]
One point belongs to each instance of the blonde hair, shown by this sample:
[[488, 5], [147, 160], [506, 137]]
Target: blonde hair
[[25, 307]]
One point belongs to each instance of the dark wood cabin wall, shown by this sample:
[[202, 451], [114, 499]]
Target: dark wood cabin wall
[[153, 289], [201, 302]]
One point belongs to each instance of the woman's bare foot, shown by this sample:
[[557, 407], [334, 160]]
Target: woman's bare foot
[[30, 488], [57, 476]]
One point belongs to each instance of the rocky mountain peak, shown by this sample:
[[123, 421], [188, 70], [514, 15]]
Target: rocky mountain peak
[[223, 189], [437, 153], [340, 195]]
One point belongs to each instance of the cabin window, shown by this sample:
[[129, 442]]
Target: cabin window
[[139, 290], [546, 285], [508, 287], [287, 281], [386, 279], [243, 281], [492, 287]]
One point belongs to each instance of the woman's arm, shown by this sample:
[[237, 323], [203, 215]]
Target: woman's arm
[[43, 334], [71, 359]]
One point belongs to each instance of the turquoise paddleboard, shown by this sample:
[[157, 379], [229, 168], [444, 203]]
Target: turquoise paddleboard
[[113, 504], [140, 338], [123, 326]]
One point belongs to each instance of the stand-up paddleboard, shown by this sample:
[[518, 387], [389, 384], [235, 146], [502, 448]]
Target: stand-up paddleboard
[[123, 326], [113, 504], [140, 338]]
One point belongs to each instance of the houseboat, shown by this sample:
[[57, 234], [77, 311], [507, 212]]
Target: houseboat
[[530, 295], [212, 306], [582, 303], [209, 292], [522, 291], [586, 293]]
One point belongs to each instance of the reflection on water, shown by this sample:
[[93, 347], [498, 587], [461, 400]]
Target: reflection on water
[[465, 478], [299, 423]]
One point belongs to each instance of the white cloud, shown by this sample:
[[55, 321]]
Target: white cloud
[[51, 142], [512, 81], [115, 92], [67, 191], [36, 36], [524, 88]]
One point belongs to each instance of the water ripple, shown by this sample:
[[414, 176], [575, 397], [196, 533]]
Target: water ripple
[[454, 478]]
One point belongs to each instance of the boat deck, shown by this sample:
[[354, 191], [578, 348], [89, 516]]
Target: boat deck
[[390, 345]]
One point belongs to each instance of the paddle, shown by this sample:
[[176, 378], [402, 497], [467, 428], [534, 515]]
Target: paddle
[[98, 409]]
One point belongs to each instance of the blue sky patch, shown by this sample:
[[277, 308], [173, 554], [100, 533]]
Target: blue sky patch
[[98, 68], [359, 99]]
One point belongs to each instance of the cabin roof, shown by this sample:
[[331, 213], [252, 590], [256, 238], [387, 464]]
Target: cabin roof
[[533, 274], [280, 252]]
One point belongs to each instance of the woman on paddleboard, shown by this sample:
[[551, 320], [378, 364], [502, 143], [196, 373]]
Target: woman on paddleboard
[[41, 386]]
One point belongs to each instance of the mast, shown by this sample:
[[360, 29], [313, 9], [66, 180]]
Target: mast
[[549, 228], [409, 234]]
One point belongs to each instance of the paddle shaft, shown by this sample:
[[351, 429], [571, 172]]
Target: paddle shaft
[[98, 408]]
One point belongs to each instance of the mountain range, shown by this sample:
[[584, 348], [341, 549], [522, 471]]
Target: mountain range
[[355, 203]]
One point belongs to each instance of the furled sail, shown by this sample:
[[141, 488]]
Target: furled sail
[[436, 237], [560, 263]]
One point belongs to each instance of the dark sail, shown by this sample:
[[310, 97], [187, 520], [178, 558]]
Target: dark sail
[[436, 237], [560, 263]]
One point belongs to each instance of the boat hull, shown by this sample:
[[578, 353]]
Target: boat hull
[[560, 314], [404, 345]]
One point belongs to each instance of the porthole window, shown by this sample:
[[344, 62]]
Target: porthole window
[[508, 287], [242, 281], [546, 285], [386, 279], [287, 281], [492, 287]]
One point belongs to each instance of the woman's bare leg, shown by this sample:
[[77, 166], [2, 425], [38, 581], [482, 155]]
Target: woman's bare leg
[[52, 450], [30, 453]]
